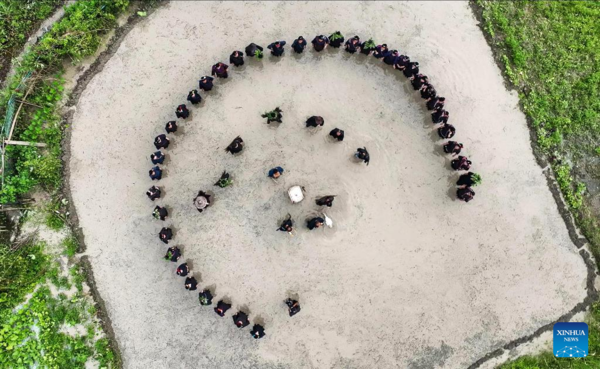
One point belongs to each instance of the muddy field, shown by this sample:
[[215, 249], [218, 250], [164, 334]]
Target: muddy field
[[408, 276]]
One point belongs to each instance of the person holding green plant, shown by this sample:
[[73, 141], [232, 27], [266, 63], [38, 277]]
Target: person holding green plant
[[160, 212], [469, 179], [367, 47], [273, 115], [225, 180], [336, 39], [253, 50]]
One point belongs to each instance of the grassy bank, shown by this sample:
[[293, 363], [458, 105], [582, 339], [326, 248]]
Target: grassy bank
[[18, 20], [47, 317], [550, 53]]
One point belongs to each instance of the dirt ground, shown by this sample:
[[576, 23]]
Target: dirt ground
[[408, 277]]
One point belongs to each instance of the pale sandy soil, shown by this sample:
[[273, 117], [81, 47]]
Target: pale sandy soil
[[408, 277]]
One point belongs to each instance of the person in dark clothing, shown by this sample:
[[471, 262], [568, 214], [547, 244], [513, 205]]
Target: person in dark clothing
[[182, 112], [337, 133], [222, 308], [391, 57], [220, 70], [235, 146], [401, 63], [418, 80], [461, 163], [367, 47], [273, 115], [315, 121], [428, 91], [191, 284], [194, 97], [352, 45], [257, 331], [160, 212], [470, 179], [171, 127], [380, 51], [153, 193], [453, 147], [438, 114], [275, 172], [315, 222], [320, 43], [446, 131], [237, 58], [286, 225], [165, 235], [155, 173], [412, 68], [205, 83], [436, 103], [363, 155], [336, 39], [173, 254], [161, 142], [202, 201], [225, 180], [299, 44], [277, 48], [183, 270], [325, 201], [241, 319], [253, 50], [465, 194], [293, 306], [205, 297], [157, 158]]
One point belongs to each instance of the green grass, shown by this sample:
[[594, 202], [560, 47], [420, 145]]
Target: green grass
[[547, 359], [18, 19], [77, 35], [32, 333], [550, 52]]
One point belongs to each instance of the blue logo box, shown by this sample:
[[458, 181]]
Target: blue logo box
[[570, 340]]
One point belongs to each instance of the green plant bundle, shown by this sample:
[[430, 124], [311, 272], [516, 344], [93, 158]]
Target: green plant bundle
[[258, 54], [336, 36], [476, 179], [370, 44], [224, 182]]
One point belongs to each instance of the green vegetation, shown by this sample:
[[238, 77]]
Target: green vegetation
[[74, 37], [34, 331], [18, 19], [38, 325], [547, 359], [550, 51]]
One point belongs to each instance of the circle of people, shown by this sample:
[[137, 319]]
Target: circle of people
[[402, 63]]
